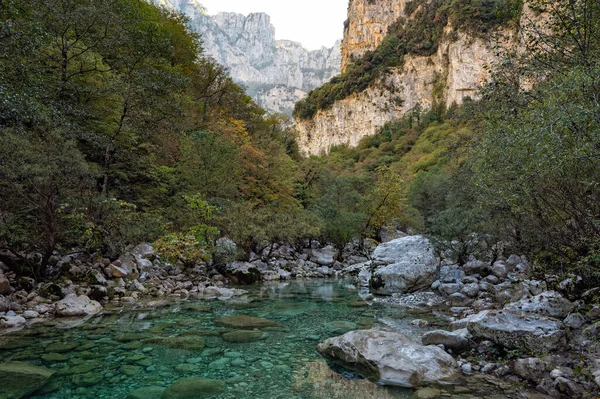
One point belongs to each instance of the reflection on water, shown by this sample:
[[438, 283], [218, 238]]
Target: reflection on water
[[121, 351]]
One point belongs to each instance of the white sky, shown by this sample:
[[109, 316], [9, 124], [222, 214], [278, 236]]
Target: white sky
[[314, 23]]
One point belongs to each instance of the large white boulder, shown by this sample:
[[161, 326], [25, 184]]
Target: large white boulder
[[77, 306], [390, 358], [533, 333], [409, 264]]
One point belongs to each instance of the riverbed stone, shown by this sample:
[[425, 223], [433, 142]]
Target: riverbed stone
[[77, 306], [411, 266], [19, 379], [152, 392], [244, 321], [61, 347], [427, 393], [534, 333], [549, 303], [390, 358], [242, 336], [190, 343], [193, 388]]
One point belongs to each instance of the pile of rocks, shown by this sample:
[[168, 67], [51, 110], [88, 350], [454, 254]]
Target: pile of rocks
[[506, 324], [85, 282]]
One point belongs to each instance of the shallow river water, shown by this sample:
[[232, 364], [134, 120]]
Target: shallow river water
[[122, 350]]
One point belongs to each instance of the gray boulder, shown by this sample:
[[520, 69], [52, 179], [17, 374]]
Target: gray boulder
[[4, 285], [144, 251], [457, 340], [536, 334], [19, 379], [76, 306], [531, 369], [4, 304], [152, 392], [325, 256], [411, 266], [390, 358], [12, 321], [574, 320], [193, 388], [242, 272], [549, 303]]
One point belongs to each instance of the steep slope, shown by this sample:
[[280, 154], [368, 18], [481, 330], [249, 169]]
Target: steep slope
[[277, 73], [440, 56]]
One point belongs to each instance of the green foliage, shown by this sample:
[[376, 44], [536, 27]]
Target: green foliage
[[112, 120], [197, 244]]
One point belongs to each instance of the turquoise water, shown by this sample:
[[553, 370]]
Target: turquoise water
[[122, 350]]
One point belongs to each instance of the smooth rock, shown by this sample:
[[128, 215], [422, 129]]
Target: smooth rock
[[535, 334], [390, 358], [244, 321], [146, 393], [242, 336], [19, 379], [193, 388], [74, 306], [412, 266]]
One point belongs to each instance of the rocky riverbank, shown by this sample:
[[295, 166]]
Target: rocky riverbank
[[85, 283], [504, 326], [503, 323]]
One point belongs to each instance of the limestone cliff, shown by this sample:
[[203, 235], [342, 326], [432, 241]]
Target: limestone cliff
[[455, 71], [277, 73], [367, 25]]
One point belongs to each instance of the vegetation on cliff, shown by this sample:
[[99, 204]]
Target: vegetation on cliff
[[419, 33], [518, 167]]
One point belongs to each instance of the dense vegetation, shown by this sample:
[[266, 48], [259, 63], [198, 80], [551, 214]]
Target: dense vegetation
[[116, 129], [419, 33], [518, 170]]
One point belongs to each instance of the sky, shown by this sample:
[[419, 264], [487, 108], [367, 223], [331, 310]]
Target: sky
[[314, 23]]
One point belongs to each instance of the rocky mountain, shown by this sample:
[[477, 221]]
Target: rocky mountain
[[277, 73], [446, 76]]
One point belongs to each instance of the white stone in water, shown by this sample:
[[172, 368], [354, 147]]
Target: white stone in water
[[390, 358], [74, 306]]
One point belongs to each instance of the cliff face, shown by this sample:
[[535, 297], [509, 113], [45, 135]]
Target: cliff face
[[454, 72], [277, 73], [458, 68], [367, 25]]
